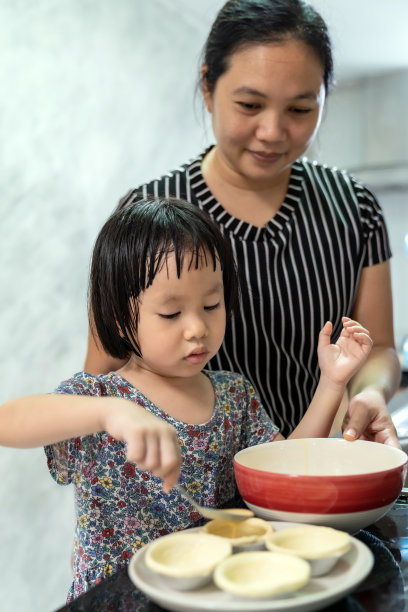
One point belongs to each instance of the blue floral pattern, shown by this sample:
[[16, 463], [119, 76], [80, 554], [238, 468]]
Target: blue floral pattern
[[119, 508]]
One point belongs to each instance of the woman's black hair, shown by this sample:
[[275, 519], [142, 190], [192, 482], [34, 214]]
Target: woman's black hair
[[242, 23], [132, 247]]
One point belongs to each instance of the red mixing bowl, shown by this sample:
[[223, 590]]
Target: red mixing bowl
[[325, 481]]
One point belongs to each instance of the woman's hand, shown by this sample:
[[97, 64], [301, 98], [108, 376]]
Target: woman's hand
[[151, 442], [340, 361], [367, 418]]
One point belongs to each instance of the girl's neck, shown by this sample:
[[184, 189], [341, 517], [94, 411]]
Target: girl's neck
[[191, 400], [255, 202]]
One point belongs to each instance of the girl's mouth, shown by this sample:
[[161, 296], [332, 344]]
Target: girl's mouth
[[197, 357]]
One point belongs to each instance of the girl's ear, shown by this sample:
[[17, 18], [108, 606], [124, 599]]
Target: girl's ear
[[205, 88]]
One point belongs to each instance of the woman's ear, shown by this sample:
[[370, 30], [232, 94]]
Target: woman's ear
[[206, 89]]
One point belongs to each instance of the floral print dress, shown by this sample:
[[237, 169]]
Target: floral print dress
[[119, 508]]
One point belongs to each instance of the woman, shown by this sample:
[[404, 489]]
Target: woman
[[310, 242]]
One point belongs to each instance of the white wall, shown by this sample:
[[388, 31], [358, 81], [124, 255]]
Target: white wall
[[96, 96]]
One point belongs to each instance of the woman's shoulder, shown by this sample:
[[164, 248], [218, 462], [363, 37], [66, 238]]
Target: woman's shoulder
[[334, 182], [175, 183], [314, 167]]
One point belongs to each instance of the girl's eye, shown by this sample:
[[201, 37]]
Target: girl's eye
[[300, 111], [212, 307], [169, 316]]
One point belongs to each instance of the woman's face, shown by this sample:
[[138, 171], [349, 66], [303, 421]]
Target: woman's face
[[266, 109]]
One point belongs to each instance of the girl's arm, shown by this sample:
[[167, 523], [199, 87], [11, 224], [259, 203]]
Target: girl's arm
[[39, 420], [338, 363]]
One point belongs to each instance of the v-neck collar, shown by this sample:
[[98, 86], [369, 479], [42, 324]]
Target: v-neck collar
[[240, 228]]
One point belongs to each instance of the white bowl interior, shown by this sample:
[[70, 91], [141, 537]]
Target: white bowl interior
[[261, 574], [321, 546], [310, 542], [321, 457], [187, 555]]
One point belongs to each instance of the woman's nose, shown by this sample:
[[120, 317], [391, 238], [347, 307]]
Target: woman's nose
[[271, 127]]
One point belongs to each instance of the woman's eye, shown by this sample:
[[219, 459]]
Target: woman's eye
[[248, 106], [169, 316], [213, 307]]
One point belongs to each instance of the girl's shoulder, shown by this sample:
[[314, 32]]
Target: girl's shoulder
[[84, 383], [231, 381]]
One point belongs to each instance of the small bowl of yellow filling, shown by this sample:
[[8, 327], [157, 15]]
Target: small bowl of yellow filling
[[244, 536], [320, 546]]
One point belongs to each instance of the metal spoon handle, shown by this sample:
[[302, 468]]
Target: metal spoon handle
[[207, 512], [213, 513]]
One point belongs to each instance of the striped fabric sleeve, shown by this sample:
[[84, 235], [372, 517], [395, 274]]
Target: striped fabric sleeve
[[374, 227]]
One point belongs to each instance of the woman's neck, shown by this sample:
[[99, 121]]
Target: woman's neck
[[252, 201]]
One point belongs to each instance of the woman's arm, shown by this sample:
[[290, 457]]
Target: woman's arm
[[375, 384], [39, 420], [338, 363]]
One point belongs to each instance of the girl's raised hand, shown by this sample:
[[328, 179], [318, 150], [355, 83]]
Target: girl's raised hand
[[340, 361], [152, 444]]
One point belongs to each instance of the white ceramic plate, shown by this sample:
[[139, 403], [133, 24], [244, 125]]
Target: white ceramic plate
[[317, 594]]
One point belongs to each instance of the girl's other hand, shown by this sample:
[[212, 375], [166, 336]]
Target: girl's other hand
[[151, 443], [340, 361]]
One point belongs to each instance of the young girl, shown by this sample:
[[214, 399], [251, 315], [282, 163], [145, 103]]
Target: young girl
[[162, 285]]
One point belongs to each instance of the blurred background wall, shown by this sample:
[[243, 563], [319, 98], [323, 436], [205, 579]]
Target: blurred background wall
[[96, 97]]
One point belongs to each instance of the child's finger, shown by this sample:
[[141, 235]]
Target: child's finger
[[152, 460], [136, 448], [170, 454], [357, 328], [325, 333], [358, 334], [350, 324], [363, 338], [170, 462], [171, 479]]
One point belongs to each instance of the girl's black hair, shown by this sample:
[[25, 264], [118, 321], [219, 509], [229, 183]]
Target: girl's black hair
[[241, 23], [132, 247]]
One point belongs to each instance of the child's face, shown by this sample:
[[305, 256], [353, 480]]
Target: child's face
[[181, 320]]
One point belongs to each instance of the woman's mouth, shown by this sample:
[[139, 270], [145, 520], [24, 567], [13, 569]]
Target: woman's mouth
[[266, 158]]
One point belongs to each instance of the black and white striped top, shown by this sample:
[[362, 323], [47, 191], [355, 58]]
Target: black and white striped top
[[297, 272]]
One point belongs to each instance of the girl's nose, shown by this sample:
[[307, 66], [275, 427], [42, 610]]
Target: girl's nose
[[271, 127], [195, 328]]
